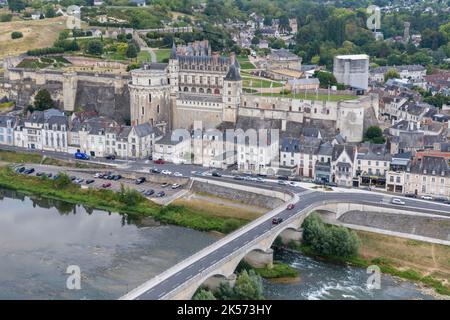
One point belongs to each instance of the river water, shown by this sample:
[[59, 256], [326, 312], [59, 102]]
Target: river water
[[41, 238]]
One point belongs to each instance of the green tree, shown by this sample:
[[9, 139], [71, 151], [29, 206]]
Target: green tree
[[391, 74], [16, 35], [374, 134], [329, 240], [326, 79], [131, 51], [248, 286], [16, 5], [43, 100], [95, 47], [204, 294]]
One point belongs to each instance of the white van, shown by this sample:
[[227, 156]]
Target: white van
[[397, 201]]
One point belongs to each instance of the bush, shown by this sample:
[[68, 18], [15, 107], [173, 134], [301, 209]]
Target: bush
[[329, 240], [44, 51], [16, 35], [230, 225], [7, 17]]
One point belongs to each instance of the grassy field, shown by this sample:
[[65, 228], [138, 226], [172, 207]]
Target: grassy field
[[245, 63], [421, 262], [219, 207], [144, 56], [36, 34], [162, 54], [427, 258], [313, 96], [258, 83]]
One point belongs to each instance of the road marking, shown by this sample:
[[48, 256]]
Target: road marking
[[161, 294]]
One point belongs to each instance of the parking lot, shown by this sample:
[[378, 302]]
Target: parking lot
[[110, 184]]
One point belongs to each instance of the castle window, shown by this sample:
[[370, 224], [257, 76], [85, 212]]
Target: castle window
[[229, 85], [157, 108], [168, 80], [201, 90], [193, 89], [245, 103], [216, 91], [149, 82], [142, 110], [208, 91], [315, 110], [185, 89], [290, 108], [149, 98]]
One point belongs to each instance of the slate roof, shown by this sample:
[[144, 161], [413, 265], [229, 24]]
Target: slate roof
[[233, 74], [338, 149], [372, 151], [4, 121], [430, 165], [146, 129]]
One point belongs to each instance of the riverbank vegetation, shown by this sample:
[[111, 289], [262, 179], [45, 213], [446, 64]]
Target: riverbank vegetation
[[248, 286], [277, 271], [126, 201], [421, 262]]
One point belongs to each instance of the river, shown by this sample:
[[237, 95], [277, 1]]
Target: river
[[41, 238]]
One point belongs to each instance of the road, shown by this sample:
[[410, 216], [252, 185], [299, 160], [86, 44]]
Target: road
[[306, 199]]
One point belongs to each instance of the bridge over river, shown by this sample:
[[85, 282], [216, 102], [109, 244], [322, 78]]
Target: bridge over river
[[253, 242]]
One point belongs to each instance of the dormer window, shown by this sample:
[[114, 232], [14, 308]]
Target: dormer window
[[425, 171]]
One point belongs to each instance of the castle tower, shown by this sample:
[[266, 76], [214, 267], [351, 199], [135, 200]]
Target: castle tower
[[173, 69], [232, 90], [150, 96]]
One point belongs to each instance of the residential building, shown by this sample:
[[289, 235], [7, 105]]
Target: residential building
[[373, 161], [7, 126], [343, 164], [176, 151]]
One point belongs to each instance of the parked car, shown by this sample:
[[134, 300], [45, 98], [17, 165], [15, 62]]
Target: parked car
[[410, 195], [283, 178], [78, 180], [49, 175], [160, 194], [277, 220], [155, 170], [290, 206], [140, 180], [216, 174], [177, 174], [20, 169], [29, 171], [282, 182], [117, 177], [159, 161], [106, 185], [331, 184], [164, 185], [238, 178], [38, 174], [148, 193], [89, 181], [259, 179], [176, 186], [111, 157], [426, 197], [72, 178], [397, 201], [166, 172], [81, 156]]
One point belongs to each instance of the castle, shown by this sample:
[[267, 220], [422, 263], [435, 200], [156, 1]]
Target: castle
[[198, 85], [195, 85]]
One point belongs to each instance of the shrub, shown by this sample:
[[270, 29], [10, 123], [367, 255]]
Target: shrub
[[230, 225], [16, 35], [7, 17]]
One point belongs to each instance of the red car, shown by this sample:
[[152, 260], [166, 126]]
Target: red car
[[106, 185], [159, 161], [290, 206]]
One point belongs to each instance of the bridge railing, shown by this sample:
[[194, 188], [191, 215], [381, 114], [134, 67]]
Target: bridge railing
[[202, 253], [246, 248]]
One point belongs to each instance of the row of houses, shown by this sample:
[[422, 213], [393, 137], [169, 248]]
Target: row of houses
[[52, 130]]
